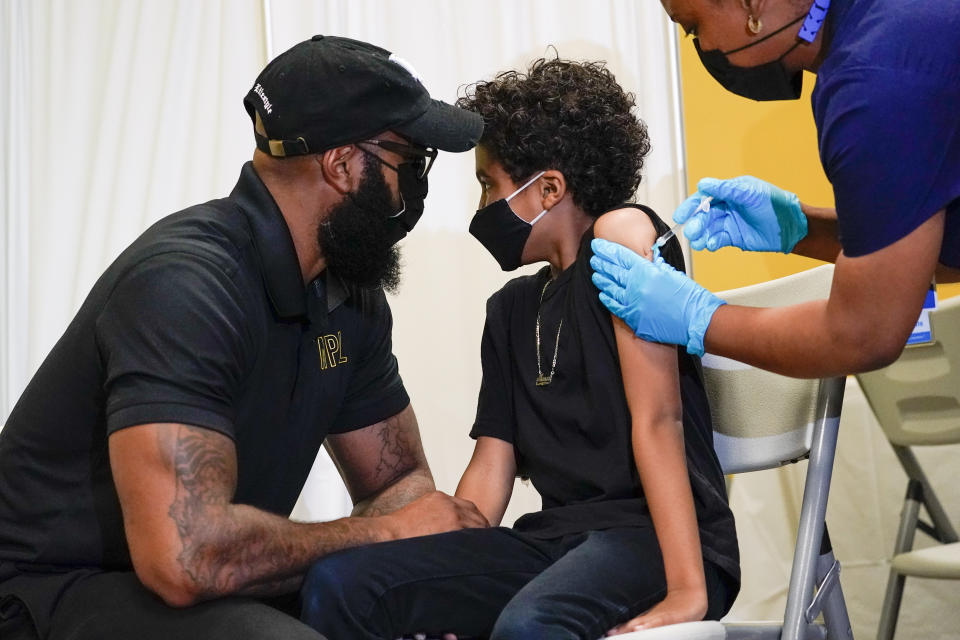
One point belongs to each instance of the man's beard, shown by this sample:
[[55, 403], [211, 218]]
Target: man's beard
[[356, 237]]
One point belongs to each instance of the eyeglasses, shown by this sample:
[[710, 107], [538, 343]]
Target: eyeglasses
[[420, 157]]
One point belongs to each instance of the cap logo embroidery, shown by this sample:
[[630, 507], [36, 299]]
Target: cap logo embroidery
[[267, 105], [406, 65]]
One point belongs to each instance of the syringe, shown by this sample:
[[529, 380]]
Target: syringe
[[704, 206]]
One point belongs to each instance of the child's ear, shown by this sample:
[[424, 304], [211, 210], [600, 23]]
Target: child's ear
[[553, 188]]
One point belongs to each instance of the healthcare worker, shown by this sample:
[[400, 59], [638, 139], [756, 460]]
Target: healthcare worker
[[887, 111]]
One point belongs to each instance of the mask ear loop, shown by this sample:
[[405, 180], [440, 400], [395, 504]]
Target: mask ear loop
[[540, 215], [403, 201], [399, 213], [789, 51], [529, 182]]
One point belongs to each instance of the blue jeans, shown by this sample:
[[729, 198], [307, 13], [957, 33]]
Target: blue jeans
[[493, 582]]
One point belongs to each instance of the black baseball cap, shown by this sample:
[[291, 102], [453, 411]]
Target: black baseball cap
[[329, 91]]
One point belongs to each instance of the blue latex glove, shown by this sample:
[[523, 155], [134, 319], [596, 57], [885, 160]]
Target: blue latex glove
[[658, 302], [746, 212]]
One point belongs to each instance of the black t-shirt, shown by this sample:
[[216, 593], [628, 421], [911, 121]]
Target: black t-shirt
[[572, 438], [203, 320]]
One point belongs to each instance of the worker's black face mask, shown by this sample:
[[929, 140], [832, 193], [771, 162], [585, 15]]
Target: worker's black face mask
[[768, 81], [413, 192]]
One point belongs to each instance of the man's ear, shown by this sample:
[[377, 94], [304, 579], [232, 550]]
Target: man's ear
[[339, 167], [553, 187]]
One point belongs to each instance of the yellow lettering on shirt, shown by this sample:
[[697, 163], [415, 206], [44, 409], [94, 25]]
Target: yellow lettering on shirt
[[330, 347]]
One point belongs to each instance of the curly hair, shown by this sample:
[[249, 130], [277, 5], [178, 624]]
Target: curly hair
[[569, 116]]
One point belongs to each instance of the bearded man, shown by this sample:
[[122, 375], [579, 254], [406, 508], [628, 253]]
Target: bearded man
[[148, 471]]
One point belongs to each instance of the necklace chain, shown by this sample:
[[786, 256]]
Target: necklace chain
[[544, 380]]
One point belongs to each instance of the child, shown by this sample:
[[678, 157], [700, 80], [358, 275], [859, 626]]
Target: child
[[613, 431]]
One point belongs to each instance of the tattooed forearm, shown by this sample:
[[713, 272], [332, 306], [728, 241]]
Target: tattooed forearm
[[397, 472], [396, 455], [205, 471], [229, 548], [404, 490]]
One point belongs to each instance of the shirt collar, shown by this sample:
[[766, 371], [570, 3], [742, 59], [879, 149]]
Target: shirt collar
[[274, 245], [337, 292]]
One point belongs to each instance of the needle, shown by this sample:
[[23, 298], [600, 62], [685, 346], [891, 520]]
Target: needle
[[704, 206]]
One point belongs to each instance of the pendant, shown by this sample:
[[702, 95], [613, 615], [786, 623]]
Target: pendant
[[543, 380]]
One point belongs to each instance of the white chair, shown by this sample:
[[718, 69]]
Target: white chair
[[917, 403], [762, 420]]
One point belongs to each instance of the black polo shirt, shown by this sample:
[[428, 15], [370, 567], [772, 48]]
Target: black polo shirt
[[203, 320], [572, 438]]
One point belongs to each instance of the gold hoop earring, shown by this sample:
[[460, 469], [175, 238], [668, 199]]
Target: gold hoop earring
[[754, 25]]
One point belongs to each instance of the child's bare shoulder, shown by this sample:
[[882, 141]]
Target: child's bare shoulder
[[628, 226]]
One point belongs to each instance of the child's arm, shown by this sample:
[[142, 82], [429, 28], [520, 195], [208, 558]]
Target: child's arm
[[652, 386], [488, 479]]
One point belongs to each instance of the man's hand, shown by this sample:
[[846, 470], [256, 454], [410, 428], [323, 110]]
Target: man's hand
[[682, 605], [435, 513], [745, 212]]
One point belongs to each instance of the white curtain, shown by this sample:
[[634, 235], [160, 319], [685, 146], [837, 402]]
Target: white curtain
[[115, 113], [128, 110], [119, 112], [14, 204]]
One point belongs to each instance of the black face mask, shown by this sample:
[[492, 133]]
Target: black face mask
[[768, 81], [413, 191], [501, 231]]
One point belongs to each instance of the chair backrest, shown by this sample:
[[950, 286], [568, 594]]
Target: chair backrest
[[762, 420], [917, 398]]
